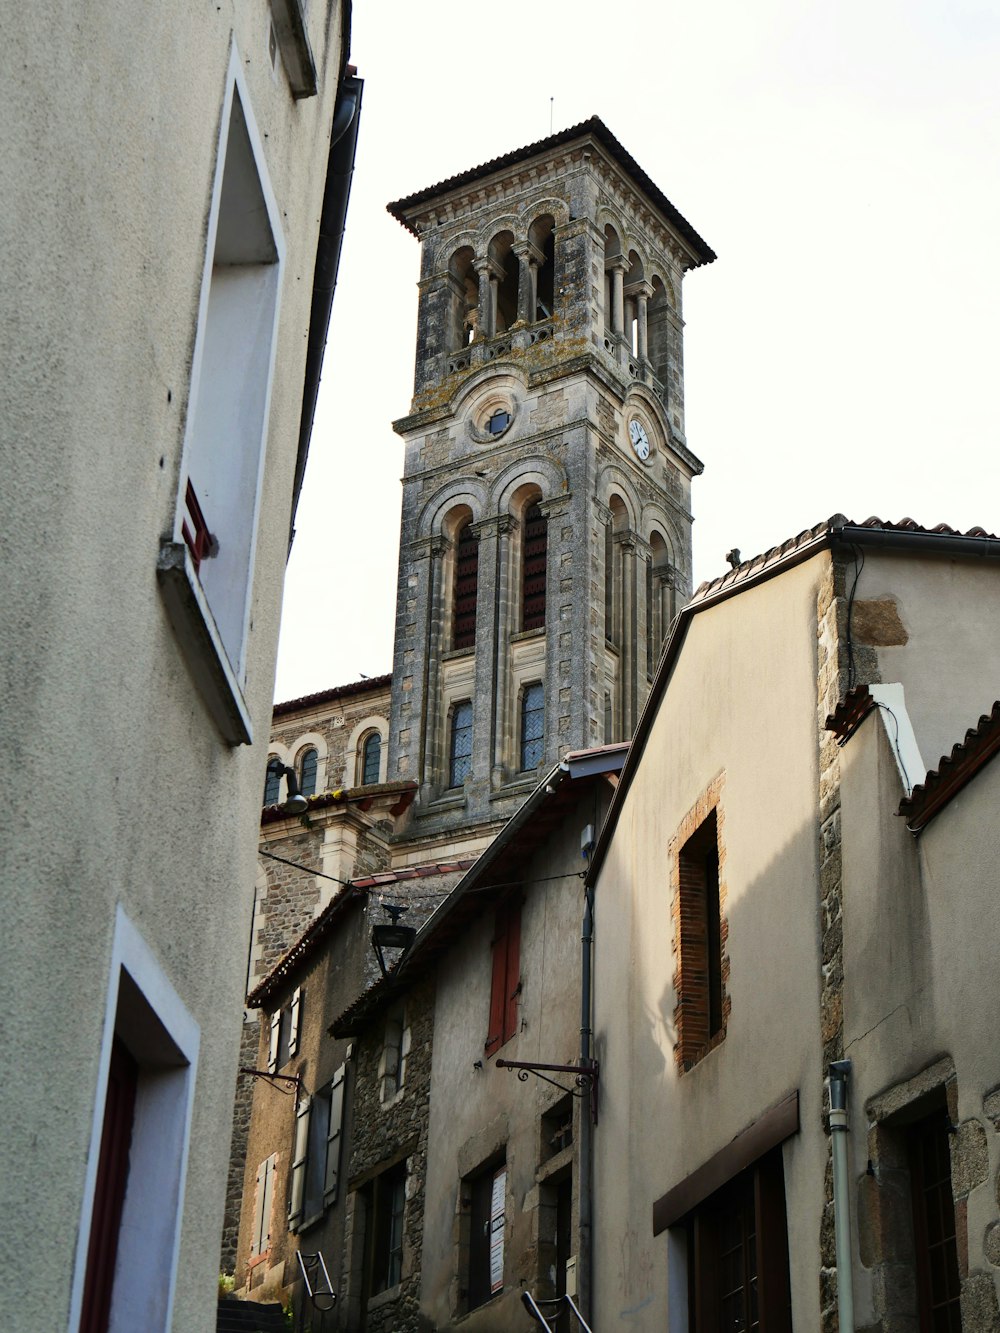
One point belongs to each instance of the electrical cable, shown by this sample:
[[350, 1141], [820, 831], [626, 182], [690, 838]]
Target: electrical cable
[[850, 608], [895, 742]]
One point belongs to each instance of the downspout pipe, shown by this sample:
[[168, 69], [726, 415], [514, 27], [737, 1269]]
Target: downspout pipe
[[840, 1072], [584, 1266]]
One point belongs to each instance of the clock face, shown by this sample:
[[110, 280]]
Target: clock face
[[640, 440]]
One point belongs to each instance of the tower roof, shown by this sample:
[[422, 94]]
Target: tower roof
[[403, 209]]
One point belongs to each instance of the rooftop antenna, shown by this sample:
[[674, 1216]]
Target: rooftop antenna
[[552, 103]]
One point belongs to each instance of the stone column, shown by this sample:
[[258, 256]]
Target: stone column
[[528, 259], [617, 268], [487, 289], [642, 296], [626, 542], [557, 667]]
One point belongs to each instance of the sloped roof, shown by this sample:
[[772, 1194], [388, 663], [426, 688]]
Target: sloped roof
[[361, 796], [328, 696], [500, 867], [906, 536], [593, 127], [954, 770], [315, 934]]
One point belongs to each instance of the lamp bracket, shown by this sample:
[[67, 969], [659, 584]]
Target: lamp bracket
[[586, 1077]]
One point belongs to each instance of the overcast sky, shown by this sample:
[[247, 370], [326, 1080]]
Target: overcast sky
[[841, 353]]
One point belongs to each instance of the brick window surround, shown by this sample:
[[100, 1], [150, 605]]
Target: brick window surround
[[700, 929]]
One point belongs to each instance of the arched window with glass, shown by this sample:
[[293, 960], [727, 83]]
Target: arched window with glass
[[532, 726], [308, 767], [272, 784], [460, 744], [371, 758]]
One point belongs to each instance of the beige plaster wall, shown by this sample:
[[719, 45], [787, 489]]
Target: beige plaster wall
[[474, 1112], [741, 704], [125, 793], [921, 954]]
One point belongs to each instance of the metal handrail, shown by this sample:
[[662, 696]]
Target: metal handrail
[[557, 1304], [319, 1292]]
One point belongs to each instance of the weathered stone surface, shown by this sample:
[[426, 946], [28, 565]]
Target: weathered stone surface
[[980, 1311], [877, 623], [970, 1158], [991, 1243]]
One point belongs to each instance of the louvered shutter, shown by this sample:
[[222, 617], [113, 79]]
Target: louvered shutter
[[296, 1017], [258, 1210], [260, 1239], [297, 1185], [331, 1179], [272, 1054]]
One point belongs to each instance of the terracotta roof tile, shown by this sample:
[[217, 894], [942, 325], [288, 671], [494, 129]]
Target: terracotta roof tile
[[850, 713], [404, 791], [328, 696], [953, 772], [595, 127]]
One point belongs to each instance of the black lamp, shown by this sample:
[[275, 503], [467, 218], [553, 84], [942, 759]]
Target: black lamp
[[391, 935], [294, 803]]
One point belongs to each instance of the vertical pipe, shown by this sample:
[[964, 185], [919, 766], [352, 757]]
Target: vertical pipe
[[840, 1072], [586, 1108]]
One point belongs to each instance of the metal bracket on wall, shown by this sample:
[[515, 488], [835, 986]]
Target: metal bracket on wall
[[585, 1080], [294, 1079]]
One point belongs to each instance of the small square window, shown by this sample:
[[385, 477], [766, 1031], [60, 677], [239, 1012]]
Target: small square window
[[498, 422]]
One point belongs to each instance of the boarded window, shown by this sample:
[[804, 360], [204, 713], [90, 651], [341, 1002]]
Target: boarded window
[[466, 585], [536, 540], [505, 990]]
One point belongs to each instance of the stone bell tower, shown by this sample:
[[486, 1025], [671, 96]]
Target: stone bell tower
[[545, 540]]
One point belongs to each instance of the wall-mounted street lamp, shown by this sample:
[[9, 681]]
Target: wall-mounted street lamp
[[294, 803], [391, 935]]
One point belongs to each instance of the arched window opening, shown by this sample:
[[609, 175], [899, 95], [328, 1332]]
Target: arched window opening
[[618, 522], [659, 599], [272, 785], [308, 765], [503, 281], [533, 569], [466, 584], [460, 743], [371, 758], [658, 319], [532, 726], [464, 312], [614, 269], [635, 301], [542, 235]]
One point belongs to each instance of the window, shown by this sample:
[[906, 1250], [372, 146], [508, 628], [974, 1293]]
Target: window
[[395, 1049], [272, 785], [128, 1229], [701, 1001], [387, 1203], [371, 758], [460, 751], [315, 1178], [485, 1198], [934, 1233], [532, 726], [260, 1238], [533, 569], [308, 765], [466, 585], [498, 422], [286, 1024], [206, 568], [505, 989], [737, 1247]]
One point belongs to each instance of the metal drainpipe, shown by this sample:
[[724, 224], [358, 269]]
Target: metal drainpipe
[[586, 1118], [840, 1072]]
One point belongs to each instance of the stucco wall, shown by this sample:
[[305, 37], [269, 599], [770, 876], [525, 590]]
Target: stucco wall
[[740, 707], [125, 792]]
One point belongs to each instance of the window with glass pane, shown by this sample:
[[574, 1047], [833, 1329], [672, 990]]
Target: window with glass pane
[[460, 756], [371, 758], [307, 773], [386, 1235], [272, 786], [532, 726]]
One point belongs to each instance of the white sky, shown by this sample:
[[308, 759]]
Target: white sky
[[841, 354]]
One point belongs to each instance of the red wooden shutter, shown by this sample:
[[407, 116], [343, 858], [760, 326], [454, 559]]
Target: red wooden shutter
[[109, 1189], [512, 984], [498, 989]]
